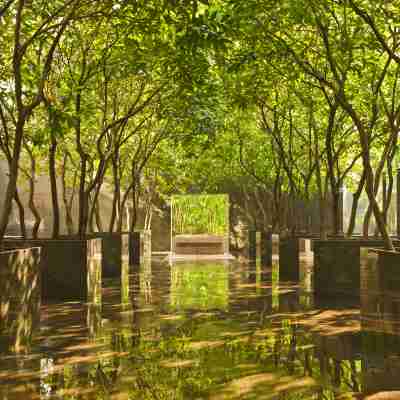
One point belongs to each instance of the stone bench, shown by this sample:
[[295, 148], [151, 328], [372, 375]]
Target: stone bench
[[199, 245]]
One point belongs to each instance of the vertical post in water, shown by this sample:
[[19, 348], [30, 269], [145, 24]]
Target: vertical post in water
[[398, 202]]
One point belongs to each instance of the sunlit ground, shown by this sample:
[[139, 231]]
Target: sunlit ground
[[204, 331]]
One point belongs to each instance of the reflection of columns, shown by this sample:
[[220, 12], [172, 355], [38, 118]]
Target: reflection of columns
[[94, 278], [93, 319], [125, 299], [145, 281]]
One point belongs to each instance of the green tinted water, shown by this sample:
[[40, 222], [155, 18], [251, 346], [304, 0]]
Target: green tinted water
[[202, 331]]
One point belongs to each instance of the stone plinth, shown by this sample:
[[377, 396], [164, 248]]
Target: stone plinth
[[139, 247], [289, 259], [389, 272], [266, 248], [337, 265], [114, 249], [134, 248], [19, 297], [69, 267]]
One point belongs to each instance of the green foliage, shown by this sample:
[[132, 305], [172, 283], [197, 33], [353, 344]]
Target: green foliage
[[200, 214], [199, 288]]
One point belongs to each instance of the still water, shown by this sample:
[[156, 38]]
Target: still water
[[204, 331]]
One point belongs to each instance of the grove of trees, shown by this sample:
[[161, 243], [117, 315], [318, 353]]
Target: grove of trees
[[273, 102]]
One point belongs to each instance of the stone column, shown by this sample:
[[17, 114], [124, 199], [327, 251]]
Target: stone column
[[266, 248], [111, 255], [289, 259], [134, 248]]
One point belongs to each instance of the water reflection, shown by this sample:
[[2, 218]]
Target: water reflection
[[19, 298], [200, 287], [206, 331]]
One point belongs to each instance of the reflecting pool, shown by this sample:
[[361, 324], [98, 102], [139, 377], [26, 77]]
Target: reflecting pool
[[204, 331]]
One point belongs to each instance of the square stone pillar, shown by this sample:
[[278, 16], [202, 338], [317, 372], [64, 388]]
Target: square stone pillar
[[111, 255], [266, 248], [134, 248], [66, 271], [19, 297], [289, 259]]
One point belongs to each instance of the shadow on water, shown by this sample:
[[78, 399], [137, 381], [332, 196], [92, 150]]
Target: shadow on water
[[207, 331]]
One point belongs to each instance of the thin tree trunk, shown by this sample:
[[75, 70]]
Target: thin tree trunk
[[121, 210], [354, 206], [31, 176], [53, 186], [99, 221], [21, 213], [116, 195], [33, 208], [13, 170], [261, 207], [32, 205], [389, 191], [68, 203], [369, 175], [135, 196]]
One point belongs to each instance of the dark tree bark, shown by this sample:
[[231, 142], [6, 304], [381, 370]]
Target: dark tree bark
[[53, 185], [68, 203], [354, 206], [21, 213], [32, 181]]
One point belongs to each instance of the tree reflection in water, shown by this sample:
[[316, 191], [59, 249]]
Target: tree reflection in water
[[169, 333]]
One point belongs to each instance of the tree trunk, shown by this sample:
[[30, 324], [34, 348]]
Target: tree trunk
[[121, 210], [13, 177], [69, 222], [369, 175], [34, 210], [32, 180], [53, 186], [135, 198], [389, 192], [116, 195], [21, 213], [354, 206], [261, 207], [99, 221]]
